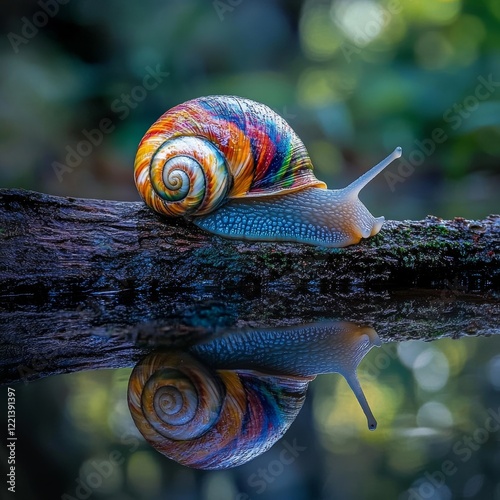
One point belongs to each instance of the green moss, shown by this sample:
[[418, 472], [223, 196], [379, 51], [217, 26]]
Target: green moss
[[439, 230], [211, 257]]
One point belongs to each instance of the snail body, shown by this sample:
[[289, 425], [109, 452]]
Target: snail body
[[306, 350], [235, 168]]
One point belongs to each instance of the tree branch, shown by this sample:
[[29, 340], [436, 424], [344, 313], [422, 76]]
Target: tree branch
[[91, 284]]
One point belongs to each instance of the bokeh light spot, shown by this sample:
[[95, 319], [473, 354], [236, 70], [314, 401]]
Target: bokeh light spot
[[431, 369]]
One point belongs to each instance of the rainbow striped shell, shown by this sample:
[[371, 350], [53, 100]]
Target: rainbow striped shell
[[211, 419], [205, 151]]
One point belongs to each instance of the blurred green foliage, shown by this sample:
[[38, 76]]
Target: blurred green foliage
[[353, 78]]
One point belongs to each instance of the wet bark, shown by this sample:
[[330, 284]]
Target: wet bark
[[87, 284]]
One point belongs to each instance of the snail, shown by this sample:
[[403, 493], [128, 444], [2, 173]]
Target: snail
[[235, 168], [221, 403]]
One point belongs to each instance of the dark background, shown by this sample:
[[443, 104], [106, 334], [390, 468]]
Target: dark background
[[354, 79]]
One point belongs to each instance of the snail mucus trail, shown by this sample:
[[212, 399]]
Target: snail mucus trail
[[235, 168], [223, 402]]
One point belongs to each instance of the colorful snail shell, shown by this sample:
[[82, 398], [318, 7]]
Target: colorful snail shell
[[237, 169], [228, 400], [210, 419]]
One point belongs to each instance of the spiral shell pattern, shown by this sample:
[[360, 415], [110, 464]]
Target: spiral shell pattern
[[172, 387], [210, 419], [205, 151]]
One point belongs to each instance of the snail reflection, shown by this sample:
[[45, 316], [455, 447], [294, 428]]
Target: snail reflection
[[221, 403]]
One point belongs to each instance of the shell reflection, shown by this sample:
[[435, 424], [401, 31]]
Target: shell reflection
[[221, 403]]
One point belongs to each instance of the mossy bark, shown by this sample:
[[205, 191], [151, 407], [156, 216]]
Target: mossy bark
[[91, 284]]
